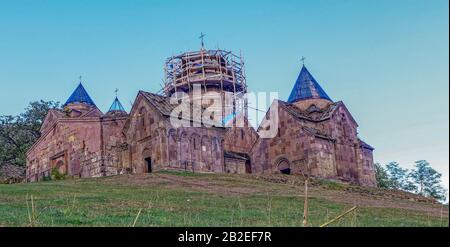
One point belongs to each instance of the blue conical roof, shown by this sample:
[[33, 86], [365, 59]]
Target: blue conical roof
[[80, 96], [306, 87], [116, 106]]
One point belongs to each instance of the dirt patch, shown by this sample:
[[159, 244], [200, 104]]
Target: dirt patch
[[212, 186], [188, 183], [239, 185]]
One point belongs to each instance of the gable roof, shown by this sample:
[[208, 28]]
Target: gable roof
[[316, 115], [307, 115], [365, 145], [306, 87], [163, 105], [94, 112], [58, 112], [51, 117], [80, 95]]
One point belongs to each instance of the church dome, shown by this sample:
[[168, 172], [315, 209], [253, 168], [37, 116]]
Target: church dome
[[80, 96], [116, 108], [306, 87]]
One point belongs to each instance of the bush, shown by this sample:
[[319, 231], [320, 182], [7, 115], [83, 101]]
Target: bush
[[56, 175], [47, 178]]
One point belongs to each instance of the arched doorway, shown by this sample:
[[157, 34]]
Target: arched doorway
[[248, 167], [284, 167], [148, 165], [147, 161]]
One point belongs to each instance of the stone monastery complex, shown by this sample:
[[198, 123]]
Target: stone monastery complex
[[314, 136]]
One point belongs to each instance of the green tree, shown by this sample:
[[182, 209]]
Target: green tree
[[18, 133], [382, 177], [399, 178], [428, 180]]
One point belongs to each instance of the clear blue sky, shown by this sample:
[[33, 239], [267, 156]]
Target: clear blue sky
[[387, 60]]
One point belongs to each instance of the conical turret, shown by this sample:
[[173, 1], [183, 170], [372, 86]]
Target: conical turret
[[80, 96], [306, 87], [116, 106]]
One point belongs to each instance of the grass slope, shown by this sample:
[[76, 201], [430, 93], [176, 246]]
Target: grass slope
[[185, 199]]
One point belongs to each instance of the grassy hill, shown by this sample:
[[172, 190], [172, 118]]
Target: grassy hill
[[186, 199]]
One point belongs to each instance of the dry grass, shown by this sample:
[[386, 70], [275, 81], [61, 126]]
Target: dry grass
[[186, 199]]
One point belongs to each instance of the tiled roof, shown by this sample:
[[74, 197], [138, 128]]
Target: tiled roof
[[365, 145], [80, 96], [306, 87], [116, 106], [162, 104]]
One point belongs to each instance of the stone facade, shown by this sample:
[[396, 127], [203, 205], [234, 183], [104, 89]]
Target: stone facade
[[327, 147], [78, 141], [154, 144], [315, 137]]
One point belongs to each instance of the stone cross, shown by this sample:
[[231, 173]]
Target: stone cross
[[303, 60]]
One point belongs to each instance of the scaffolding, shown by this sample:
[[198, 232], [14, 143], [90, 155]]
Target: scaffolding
[[217, 69], [212, 70]]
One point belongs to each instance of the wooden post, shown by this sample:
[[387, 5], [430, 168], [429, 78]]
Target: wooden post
[[305, 204], [339, 217]]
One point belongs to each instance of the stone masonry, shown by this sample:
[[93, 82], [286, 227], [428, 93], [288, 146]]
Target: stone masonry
[[316, 136]]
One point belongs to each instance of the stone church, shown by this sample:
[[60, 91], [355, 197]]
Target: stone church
[[316, 136]]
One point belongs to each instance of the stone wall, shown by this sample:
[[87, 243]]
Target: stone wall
[[145, 141], [81, 147], [343, 129], [234, 166], [152, 139], [288, 150], [367, 174], [330, 150], [114, 145], [322, 158], [69, 146], [240, 139]]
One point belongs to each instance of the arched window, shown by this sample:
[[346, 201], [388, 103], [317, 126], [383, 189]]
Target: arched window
[[142, 116], [172, 135], [195, 141], [344, 125], [215, 144]]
